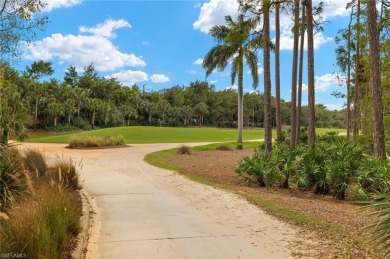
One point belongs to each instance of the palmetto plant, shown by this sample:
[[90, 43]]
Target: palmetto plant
[[380, 225], [236, 43]]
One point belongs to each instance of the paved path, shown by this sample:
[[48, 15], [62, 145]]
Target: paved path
[[147, 212]]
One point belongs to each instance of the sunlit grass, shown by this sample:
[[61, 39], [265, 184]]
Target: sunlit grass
[[148, 134]]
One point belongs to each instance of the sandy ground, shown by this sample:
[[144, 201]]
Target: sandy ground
[[145, 212]]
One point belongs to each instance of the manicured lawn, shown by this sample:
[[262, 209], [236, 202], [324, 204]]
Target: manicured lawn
[[146, 134]]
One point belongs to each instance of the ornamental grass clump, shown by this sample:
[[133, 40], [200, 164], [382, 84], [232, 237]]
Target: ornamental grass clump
[[224, 147], [35, 162], [184, 150], [95, 141], [41, 227]]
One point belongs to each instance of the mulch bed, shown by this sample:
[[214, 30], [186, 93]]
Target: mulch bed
[[218, 166]]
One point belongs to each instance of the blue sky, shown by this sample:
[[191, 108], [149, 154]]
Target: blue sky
[[160, 44]]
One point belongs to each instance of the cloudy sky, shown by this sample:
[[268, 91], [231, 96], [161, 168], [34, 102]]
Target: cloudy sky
[[161, 44]]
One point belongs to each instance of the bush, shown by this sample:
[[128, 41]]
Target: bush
[[41, 228], [224, 147], [34, 162], [95, 141], [184, 150]]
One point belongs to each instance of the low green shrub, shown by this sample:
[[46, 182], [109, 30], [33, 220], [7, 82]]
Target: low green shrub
[[336, 166], [95, 141], [184, 150], [41, 228]]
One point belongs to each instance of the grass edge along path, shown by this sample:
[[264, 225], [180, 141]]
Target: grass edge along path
[[152, 134], [323, 228]]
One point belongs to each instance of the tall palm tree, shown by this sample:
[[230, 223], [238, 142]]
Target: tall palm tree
[[235, 42]]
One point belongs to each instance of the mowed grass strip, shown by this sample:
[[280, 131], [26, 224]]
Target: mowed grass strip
[[149, 134]]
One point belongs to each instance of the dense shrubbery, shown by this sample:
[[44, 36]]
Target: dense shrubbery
[[95, 141], [41, 204], [336, 167]]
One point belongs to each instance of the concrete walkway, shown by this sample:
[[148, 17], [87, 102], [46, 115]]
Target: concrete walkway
[[147, 212]]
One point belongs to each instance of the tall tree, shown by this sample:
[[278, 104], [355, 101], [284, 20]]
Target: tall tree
[[293, 140], [375, 81], [36, 71], [356, 116], [267, 77], [300, 74], [310, 64], [235, 44], [19, 22], [277, 71]]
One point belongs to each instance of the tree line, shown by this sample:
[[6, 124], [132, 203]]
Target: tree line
[[86, 100]]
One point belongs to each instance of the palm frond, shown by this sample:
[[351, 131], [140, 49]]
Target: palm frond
[[251, 59], [218, 57]]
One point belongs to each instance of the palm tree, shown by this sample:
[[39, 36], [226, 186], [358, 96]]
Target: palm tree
[[236, 42], [267, 77]]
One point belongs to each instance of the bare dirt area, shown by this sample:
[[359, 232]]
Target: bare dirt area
[[218, 166]]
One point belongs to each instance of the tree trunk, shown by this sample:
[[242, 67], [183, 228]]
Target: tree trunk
[[356, 116], [349, 79], [293, 110], [93, 118], [277, 71], [55, 121], [310, 62], [375, 81], [267, 78], [240, 118], [301, 54], [36, 112]]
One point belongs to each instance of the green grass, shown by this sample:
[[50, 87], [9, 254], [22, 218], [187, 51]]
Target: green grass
[[148, 134]]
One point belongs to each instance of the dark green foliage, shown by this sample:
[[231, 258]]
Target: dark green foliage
[[336, 167]]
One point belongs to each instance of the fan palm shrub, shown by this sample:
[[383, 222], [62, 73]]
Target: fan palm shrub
[[380, 224]]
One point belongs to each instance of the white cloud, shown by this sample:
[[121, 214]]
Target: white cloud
[[287, 40], [214, 12], [159, 78], [53, 4], [145, 43], [323, 83], [107, 28], [129, 77], [333, 106], [232, 87], [191, 71], [199, 61], [213, 82], [82, 50]]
